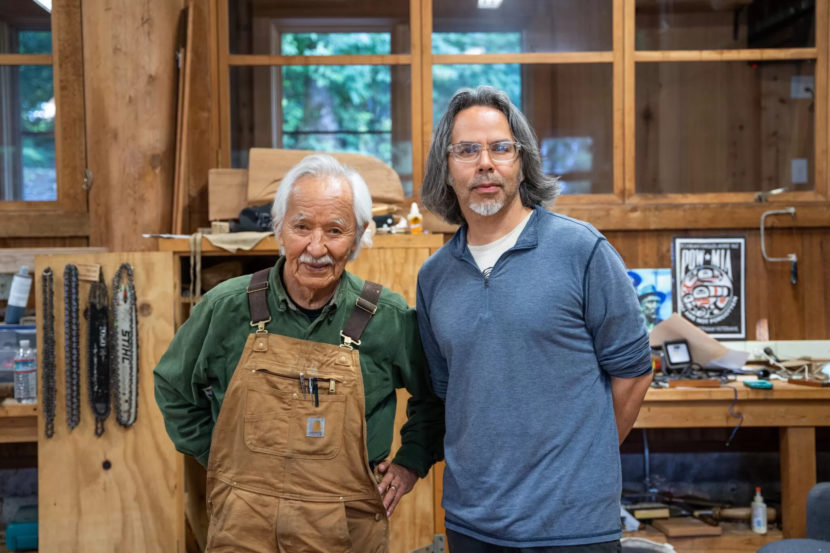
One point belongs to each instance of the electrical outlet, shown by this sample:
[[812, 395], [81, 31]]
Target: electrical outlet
[[5, 285]]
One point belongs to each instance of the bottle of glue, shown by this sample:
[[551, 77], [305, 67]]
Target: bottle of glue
[[759, 513], [415, 219]]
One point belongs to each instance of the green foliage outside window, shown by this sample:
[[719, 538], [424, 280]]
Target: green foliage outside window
[[337, 107]]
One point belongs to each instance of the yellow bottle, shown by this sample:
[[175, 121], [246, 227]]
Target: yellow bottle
[[415, 219]]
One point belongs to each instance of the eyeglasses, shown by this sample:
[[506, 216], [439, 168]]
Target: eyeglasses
[[503, 151]]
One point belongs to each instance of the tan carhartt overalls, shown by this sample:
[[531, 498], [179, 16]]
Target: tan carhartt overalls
[[288, 469]]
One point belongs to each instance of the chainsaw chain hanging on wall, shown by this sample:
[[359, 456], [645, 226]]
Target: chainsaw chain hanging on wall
[[98, 375], [124, 342], [72, 350], [47, 378]]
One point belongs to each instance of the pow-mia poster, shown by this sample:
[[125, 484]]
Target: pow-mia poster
[[709, 287]]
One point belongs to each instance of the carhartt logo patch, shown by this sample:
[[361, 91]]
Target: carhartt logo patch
[[315, 427]]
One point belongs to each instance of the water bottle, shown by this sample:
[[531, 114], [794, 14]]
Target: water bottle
[[18, 296], [25, 375]]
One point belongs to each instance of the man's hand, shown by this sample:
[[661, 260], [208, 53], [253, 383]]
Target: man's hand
[[397, 481]]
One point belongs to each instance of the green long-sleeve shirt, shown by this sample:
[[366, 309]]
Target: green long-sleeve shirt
[[193, 374]]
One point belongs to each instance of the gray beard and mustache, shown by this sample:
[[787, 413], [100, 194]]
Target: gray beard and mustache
[[488, 207]]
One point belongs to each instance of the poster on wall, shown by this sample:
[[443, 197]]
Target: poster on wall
[[709, 284], [653, 288]]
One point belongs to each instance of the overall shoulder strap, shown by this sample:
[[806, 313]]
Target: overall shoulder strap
[[365, 307], [258, 297]]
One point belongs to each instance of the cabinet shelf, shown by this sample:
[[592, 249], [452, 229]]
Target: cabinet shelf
[[18, 422]]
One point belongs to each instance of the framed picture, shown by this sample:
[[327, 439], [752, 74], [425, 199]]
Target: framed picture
[[654, 291], [708, 277]]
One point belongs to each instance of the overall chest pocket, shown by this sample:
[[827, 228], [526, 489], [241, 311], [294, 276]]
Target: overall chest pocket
[[281, 421]]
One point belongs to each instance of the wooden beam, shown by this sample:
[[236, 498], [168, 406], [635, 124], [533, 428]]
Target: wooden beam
[[22, 224], [263, 59], [727, 55], [798, 475], [12, 259], [525, 58], [691, 216], [224, 75], [25, 59]]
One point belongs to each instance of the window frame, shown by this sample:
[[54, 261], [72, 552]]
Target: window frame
[[68, 215]]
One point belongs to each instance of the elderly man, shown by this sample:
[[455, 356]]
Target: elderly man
[[534, 340], [283, 385]]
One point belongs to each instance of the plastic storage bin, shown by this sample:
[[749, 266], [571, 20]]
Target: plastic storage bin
[[21, 533]]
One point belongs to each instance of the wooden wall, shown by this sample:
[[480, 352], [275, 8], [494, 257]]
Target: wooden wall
[[794, 312]]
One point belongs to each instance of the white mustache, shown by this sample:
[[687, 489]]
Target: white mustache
[[311, 260]]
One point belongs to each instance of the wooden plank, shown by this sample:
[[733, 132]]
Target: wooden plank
[[822, 113], [180, 180], [227, 193], [133, 502], [265, 60], [203, 129], [524, 58], [629, 101], [25, 59], [426, 91], [224, 95], [685, 527], [798, 475], [416, 45], [715, 414], [618, 98], [21, 429], [772, 54], [267, 167], [687, 217], [68, 76], [129, 71], [27, 224], [736, 538], [13, 258], [268, 245]]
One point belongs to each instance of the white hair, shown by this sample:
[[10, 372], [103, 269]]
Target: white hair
[[322, 165]]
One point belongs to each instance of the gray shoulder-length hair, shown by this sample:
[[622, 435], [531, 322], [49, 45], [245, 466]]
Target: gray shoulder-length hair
[[322, 165], [536, 188]]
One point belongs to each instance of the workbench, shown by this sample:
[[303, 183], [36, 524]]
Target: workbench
[[794, 409]]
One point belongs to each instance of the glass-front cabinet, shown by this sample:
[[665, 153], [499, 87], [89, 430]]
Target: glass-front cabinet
[[637, 104]]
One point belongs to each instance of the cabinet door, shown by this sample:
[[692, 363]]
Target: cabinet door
[[121, 491]]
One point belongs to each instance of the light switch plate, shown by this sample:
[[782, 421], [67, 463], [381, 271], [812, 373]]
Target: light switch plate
[[802, 86]]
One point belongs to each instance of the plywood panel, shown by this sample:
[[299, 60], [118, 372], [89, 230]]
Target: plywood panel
[[397, 268], [136, 504]]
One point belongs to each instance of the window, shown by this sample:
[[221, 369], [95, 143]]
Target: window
[[42, 144], [305, 78], [27, 105], [640, 106]]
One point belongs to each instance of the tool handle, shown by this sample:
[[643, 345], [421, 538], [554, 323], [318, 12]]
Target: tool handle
[[740, 513], [794, 272]]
